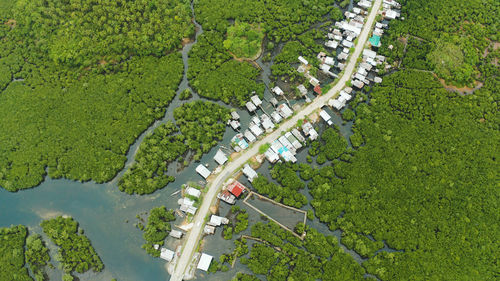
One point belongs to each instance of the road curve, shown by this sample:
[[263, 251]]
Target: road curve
[[195, 233]]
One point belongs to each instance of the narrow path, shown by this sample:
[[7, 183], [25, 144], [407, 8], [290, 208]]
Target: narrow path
[[194, 235]]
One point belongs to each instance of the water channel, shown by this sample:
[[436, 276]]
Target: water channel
[[108, 216]]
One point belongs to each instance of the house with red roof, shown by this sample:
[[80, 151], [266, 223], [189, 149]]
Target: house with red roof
[[236, 188]]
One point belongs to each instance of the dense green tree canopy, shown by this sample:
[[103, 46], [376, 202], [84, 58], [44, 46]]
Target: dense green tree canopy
[[12, 242], [244, 40], [80, 33], [157, 229], [37, 256]]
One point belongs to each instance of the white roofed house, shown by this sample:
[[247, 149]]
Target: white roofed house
[[326, 117], [364, 4], [335, 103], [220, 157], [256, 120], [250, 106], [276, 117], [342, 56], [235, 124], [193, 192], [313, 81], [278, 91], [358, 84], [369, 53], [217, 221], [249, 136], [166, 254], [249, 172], [296, 133], [271, 156], [204, 262], [308, 130], [176, 234], [324, 67], [347, 44], [284, 111], [273, 101], [267, 123], [286, 143], [329, 61], [391, 14], [296, 144], [235, 115], [303, 60], [362, 71], [203, 171], [255, 129], [256, 100], [332, 44], [302, 89]]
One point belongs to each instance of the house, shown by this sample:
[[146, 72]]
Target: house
[[369, 53], [301, 69], [342, 56], [284, 110], [239, 141], [391, 14], [235, 124], [350, 28], [356, 10], [188, 209], [217, 221], [266, 122], [326, 117], [332, 44], [208, 229], [337, 37], [276, 146], [249, 172], [380, 58], [308, 130], [176, 234], [350, 38], [235, 115], [359, 77], [166, 254], [236, 188], [303, 60], [226, 197], [251, 107], [296, 144], [362, 71], [255, 129], [358, 84], [256, 100], [191, 191], [277, 90], [374, 40], [377, 79], [284, 141], [203, 171], [302, 89], [346, 50], [256, 120], [324, 67], [348, 90], [378, 31], [287, 155], [341, 66], [329, 61], [347, 44], [336, 104], [249, 136], [276, 116], [365, 4], [271, 156], [220, 157], [313, 81], [298, 135], [366, 66], [204, 262], [317, 90], [345, 96]]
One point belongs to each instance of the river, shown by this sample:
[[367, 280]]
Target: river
[[108, 216]]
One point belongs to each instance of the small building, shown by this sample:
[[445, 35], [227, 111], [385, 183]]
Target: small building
[[366, 66], [235, 115], [284, 111], [391, 14], [332, 44], [249, 136], [301, 69], [362, 71], [358, 84], [188, 209], [235, 124], [365, 4], [342, 56], [267, 124], [317, 90], [337, 37], [313, 81], [347, 44], [377, 79], [239, 141], [204, 262], [369, 53], [256, 100], [356, 10], [203, 171], [336, 104], [276, 116], [278, 91], [329, 61], [296, 144], [208, 229], [346, 50], [308, 130], [220, 157], [251, 107], [191, 191], [324, 67], [255, 129], [271, 156], [166, 254], [374, 41], [176, 234], [341, 66], [226, 197], [249, 172], [345, 95], [359, 77], [302, 89], [296, 133], [217, 221], [303, 60], [326, 117], [348, 90], [236, 188]]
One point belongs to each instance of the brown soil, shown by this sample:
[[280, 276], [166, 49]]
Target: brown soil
[[186, 41], [11, 23], [462, 90]]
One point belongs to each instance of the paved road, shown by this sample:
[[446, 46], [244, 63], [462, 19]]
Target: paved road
[[195, 233]]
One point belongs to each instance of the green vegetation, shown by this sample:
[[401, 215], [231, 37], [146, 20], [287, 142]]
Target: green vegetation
[[448, 37], [81, 33], [348, 114], [330, 146], [75, 251], [185, 95], [73, 121], [285, 257], [245, 277], [157, 229], [37, 256], [156, 152], [263, 148], [244, 40], [410, 186], [12, 241]]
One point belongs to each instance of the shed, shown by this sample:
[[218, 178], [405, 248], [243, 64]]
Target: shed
[[166, 254], [277, 90], [204, 262], [249, 136], [249, 172], [203, 171], [176, 234], [220, 157], [193, 192], [256, 100], [303, 60]]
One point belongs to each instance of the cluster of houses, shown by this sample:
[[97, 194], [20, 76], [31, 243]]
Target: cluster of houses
[[232, 192], [187, 202]]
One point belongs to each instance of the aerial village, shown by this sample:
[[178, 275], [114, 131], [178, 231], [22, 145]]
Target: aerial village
[[341, 40]]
